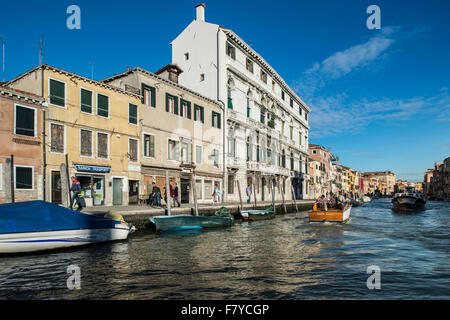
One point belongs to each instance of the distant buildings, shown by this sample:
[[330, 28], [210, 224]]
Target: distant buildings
[[436, 182]]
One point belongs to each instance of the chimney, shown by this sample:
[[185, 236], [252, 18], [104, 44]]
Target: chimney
[[200, 12]]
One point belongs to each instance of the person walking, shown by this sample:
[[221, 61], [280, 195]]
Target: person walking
[[76, 189], [249, 193], [155, 197], [175, 195]]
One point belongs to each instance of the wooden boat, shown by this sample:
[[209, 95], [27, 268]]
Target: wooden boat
[[356, 203], [330, 215], [37, 225], [254, 215], [186, 222]]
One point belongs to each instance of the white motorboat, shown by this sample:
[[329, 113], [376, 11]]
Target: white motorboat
[[38, 225]]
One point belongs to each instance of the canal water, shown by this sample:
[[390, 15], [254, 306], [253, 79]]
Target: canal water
[[283, 258]]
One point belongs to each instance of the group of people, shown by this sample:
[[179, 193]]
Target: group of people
[[155, 196], [337, 201]]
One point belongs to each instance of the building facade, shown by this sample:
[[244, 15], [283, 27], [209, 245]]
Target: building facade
[[21, 147], [265, 123], [92, 127], [181, 132]]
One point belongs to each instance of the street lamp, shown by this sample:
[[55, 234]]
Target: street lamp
[[3, 44]]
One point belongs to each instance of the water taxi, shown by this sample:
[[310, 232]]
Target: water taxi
[[330, 215]]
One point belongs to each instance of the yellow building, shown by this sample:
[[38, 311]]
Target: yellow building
[[96, 126]]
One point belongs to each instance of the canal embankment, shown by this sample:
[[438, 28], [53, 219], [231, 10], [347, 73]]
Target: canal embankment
[[139, 215]]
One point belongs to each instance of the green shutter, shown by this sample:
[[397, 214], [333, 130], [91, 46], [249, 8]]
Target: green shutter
[[132, 114], [86, 101], [212, 118], [167, 102], [153, 102], [175, 108], [102, 105], [218, 120], [189, 110], [202, 115], [57, 93]]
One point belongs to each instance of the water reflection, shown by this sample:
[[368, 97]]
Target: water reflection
[[283, 258]]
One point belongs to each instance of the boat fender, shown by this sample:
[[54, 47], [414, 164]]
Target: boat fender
[[314, 207], [114, 215]]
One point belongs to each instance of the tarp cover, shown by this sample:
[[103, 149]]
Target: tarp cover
[[33, 216]]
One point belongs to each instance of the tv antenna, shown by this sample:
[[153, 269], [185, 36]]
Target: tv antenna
[[92, 69]]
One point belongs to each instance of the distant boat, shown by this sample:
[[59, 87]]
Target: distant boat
[[408, 201], [330, 215], [366, 199], [356, 203], [254, 215], [186, 222], [37, 225]]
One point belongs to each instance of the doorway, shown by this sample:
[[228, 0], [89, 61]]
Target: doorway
[[56, 187], [185, 190], [117, 191], [133, 191]]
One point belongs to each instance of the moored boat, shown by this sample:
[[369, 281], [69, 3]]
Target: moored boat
[[186, 222], [330, 215], [37, 225], [254, 215], [366, 199]]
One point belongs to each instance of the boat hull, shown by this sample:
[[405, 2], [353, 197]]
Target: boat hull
[[331, 215], [49, 240], [407, 203], [186, 222], [255, 215]]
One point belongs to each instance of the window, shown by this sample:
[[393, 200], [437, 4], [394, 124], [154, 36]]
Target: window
[[248, 108], [148, 95], [282, 128], [102, 105], [133, 149], [216, 158], [86, 101], [186, 152], [24, 178], [132, 113], [300, 111], [85, 143], [56, 138], [306, 116], [292, 103], [300, 142], [185, 110], [291, 135], [171, 104], [249, 65], [262, 117], [25, 121], [202, 77], [149, 145], [186, 56], [273, 85], [229, 99], [263, 76], [314, 151], [231, 51], [282, 95], [198, 154], [172, 150], [198, 113], [249, 150], [232, 147], [215, 120], [102, 145], [57, 93], [230, 183]]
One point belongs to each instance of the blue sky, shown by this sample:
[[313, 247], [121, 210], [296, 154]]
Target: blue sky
[[379, 98]]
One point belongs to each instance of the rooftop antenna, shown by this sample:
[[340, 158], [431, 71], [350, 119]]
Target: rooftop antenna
[[41, 54], [3, 45], [92, 64]]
